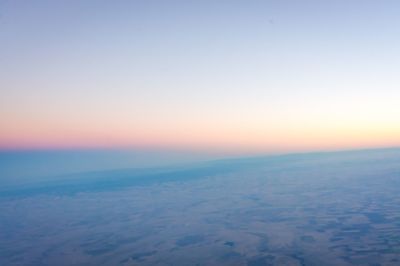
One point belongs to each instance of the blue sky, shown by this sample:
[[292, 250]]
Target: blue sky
[[230, 75]]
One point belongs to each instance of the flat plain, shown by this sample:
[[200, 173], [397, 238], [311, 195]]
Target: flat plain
[[338, 208]]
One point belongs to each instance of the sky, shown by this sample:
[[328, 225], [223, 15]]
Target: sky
[[216, 76]]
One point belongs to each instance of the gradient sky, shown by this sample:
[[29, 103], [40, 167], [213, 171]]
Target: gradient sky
[[237, 76]]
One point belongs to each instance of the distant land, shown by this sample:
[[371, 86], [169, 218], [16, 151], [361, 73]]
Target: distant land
[[330, 208]]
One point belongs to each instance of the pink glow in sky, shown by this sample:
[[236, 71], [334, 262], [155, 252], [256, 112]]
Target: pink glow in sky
[[213, 76]]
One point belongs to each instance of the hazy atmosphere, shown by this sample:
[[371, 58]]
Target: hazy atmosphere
[[231, 76], [200, 132]]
